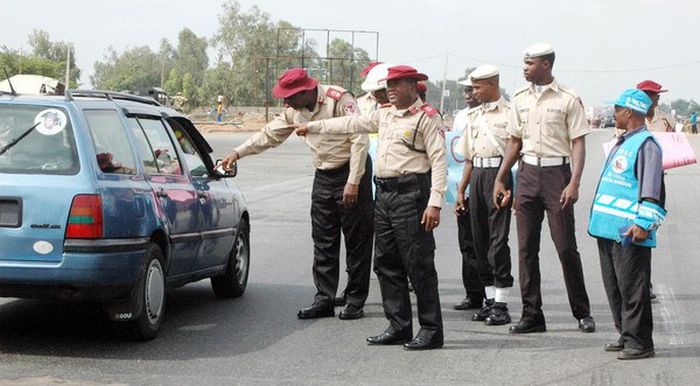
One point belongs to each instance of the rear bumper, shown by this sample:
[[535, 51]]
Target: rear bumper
[[89, 270]]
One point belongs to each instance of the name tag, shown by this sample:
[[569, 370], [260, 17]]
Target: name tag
[[555, 111]]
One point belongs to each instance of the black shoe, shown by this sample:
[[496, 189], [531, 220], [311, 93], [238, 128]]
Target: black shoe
[[339, 300], [632, 353], [527, 326], [499, 315], [421, 343], [484, 312], [468, 304], [315, 311], [388, 338], [351, 311], [587, 324], [618, 345]]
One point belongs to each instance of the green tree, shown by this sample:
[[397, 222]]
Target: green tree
[[188, 87], [192, 59], [134, 69], [167, 60], [44, 48], [174, 82], [344, 63]]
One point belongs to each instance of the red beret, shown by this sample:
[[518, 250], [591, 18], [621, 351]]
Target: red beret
[[422, 87], [651, 86], [293, 81], [404, 72], [369, 68]]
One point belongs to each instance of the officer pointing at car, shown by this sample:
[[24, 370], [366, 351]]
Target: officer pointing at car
[[341, 198], [411, 173]]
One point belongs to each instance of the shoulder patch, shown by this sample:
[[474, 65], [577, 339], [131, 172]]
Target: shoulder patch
[[429, 110], [569, 91], [521, 90], [334, 93]]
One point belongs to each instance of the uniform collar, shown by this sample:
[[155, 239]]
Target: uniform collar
[[554, 86], [412, 109], [491, 106]]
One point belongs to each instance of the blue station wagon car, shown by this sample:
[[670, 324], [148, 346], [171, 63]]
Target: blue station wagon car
[[114, 198]]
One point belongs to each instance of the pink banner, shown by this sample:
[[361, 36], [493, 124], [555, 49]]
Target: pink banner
[[676, 148]]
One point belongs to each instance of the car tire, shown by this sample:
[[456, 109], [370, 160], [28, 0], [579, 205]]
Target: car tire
[[150, 296], [232, 283]]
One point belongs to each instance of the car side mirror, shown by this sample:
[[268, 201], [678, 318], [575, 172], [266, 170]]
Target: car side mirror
[[219, 171]]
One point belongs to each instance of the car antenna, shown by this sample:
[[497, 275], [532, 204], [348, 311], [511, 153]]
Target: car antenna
[[7, 76]]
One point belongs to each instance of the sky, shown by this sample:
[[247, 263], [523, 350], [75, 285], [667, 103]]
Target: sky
[[602, 46]]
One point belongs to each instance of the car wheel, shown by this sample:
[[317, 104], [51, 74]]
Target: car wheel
[[150, 296], [233, 282]]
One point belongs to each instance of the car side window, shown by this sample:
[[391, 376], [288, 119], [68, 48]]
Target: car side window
[[143, 147], [166, 157], [192, 157], [111, 143]]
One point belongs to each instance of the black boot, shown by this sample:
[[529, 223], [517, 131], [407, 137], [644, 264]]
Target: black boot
[[484, 312]]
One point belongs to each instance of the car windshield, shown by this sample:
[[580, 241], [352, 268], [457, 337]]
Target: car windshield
[[36, 140]]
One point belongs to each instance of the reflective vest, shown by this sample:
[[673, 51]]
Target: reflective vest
[[616, 205]]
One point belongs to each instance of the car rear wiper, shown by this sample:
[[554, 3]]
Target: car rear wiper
[[14, 141]]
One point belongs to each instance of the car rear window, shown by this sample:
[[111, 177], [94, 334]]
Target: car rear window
[[36, 140]]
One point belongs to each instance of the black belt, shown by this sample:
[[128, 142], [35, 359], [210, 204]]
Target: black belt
[[402, 183], [334, 172]]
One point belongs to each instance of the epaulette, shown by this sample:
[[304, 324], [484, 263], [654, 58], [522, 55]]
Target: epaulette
[[521, 90], [334, 93], [473, 110], [429, 110], [568, 90]]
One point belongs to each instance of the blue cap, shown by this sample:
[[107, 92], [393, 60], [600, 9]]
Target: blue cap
[[634, 99]]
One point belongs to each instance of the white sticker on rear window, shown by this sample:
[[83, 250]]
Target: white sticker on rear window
[[50, 121]]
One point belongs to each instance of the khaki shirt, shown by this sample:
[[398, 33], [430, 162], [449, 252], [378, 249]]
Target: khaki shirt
[[662, 121], [547, 124], [327, 152], [396, 129], [495, 117], [367, 103]]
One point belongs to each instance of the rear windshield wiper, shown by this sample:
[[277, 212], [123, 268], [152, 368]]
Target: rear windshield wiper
[[14, 141]]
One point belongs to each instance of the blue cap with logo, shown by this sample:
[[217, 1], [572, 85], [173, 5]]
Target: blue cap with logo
[[634, 99]]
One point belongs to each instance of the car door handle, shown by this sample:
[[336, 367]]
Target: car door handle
[[161, 193]]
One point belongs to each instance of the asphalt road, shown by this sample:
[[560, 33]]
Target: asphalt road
[[257, 339]]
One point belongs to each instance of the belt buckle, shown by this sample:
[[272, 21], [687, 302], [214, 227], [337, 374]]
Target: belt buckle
[[539, 162]]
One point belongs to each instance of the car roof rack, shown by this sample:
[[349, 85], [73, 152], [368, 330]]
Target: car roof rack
[[109, 95]]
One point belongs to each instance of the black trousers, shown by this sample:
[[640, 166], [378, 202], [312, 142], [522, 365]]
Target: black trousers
[[539, 191], [490, 226], [626, 277], [404, 249], [470, 267], [328, 219]]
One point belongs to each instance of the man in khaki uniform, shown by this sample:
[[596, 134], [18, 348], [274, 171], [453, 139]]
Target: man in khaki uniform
[[548, 137], [471, 269], [341, 198], [656, 119], [411, 178], [487, 137]]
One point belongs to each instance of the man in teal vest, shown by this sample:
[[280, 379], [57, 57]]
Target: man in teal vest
[[627, 210]]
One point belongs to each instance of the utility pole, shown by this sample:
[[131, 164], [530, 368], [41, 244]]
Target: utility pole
[[68, 67], [444, 81]]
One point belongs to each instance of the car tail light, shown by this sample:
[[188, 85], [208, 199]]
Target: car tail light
[[85, 218]]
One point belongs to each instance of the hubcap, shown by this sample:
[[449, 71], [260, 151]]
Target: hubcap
[[155, 291], [242, 256]]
